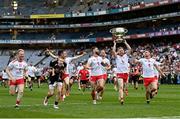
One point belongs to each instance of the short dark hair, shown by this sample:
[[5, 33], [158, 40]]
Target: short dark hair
[[120, 48], [94, 47], [148, 50], [60, 52]]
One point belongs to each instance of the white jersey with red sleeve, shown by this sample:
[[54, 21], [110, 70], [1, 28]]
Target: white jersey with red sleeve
[[122, 63], [107, 63], [148, 67], [17, 69], [96, 67], [67, 61]]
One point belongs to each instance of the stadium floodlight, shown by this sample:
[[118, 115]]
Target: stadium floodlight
[[14, 5]]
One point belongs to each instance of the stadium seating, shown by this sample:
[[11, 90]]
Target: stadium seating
[[3, 61], [73, 6], [79, 35]]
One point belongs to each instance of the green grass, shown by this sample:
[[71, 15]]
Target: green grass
[[166, 103]]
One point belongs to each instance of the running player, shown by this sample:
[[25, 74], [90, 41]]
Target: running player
[[72, 73], [83, 77], [95, 65], [122, 63], [135, 74], [80, 67], [150, 82], [62, 55], [31, 75], [5, 78], [38, 75], [56, 71], [16, 71], [105, 66]]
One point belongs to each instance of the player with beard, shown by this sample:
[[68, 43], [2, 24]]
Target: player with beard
[[105, 66], [150, 82], [122, 72], [95, 65], [57, 69]]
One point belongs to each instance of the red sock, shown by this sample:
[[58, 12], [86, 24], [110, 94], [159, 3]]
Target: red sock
[[17, 102]]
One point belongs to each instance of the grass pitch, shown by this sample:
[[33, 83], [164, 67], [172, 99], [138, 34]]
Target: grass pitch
[[165, 104]]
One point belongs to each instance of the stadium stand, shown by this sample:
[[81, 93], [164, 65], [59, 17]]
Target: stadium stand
[[168, 53], [59, 7]]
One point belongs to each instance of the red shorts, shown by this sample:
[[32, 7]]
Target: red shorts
[[148, 81], [156, 77], [17, 82], [65, 76], [96, 78], [124, 76], [105, 77]]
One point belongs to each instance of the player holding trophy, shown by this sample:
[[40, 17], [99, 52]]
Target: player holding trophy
[[122, 61]]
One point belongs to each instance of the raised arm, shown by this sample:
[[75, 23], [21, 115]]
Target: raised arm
[[51, 54], [54, 56], [128, 47], [114, 49], [78, 56]]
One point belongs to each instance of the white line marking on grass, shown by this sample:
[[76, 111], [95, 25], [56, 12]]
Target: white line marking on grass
[[37, 105], [163, 117]]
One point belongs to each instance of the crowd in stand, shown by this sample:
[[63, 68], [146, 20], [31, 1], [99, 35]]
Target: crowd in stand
[[57, 6], [168, 54]]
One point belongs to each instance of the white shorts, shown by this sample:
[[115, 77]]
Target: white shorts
[[56, 84]]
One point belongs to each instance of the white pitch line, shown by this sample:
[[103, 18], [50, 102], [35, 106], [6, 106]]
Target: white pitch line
[[163, 117], [41, 105]]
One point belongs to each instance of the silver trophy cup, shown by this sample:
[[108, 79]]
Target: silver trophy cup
[[118, 33]]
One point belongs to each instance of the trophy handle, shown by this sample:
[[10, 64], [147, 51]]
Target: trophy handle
[[111, 30], [125, 31]]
